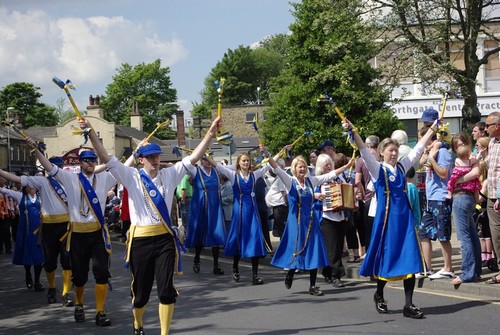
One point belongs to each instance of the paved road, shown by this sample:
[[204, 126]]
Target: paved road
[[215, 305]]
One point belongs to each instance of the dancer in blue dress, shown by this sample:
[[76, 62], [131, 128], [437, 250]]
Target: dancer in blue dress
[[29, 250], [394, 252], [206, 219], [245, 237], [302, 246]]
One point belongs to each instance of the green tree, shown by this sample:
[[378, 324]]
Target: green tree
[[201, 110], [24, 97], [63, 112], [149, 85], [439, 41], [245, 69], [329, 52]]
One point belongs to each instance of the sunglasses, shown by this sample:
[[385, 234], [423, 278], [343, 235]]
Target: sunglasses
[[89, 160], [491, 124]]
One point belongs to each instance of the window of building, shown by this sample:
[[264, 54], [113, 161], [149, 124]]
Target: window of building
[[249, 116], [493, 66]]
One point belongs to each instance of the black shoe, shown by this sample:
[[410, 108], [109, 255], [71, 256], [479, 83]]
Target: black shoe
[[218, 270], [413, 312], [236, 275], [29, 282], [314, 290], [101, 319], [139, 331], [328, 280], [492, 264], [196, 267], [288, 281], [79, 314], [380, 304], [51, 295], [336, 282], [67, 302], [39, 287], [257, 280]]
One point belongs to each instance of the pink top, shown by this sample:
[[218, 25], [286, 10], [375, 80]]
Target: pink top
[[471, 185]]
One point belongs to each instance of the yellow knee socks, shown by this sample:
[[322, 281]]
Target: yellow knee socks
[[78, 294], [66, 277], [101, 291], [51, 279], [165, 312], [138, 313]]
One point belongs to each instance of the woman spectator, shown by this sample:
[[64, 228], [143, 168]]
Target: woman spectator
[[394, 251], [333, 223], [28, 251], [464, 203], [302, 246], [481, 216], [206, 219]]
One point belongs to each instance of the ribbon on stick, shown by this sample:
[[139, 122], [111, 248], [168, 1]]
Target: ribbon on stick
[[178, 151], [67, 86]]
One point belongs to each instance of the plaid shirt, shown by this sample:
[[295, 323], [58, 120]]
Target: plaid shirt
[[493, 167]]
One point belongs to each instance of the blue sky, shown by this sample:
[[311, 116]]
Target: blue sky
[[86, 41]]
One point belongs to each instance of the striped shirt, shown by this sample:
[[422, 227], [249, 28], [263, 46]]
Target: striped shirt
[[493, 167]]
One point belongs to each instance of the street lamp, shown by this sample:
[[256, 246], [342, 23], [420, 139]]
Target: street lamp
[[9, 167], [258, 95]]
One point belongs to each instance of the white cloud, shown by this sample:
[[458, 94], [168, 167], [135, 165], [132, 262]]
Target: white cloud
[[34, 46]]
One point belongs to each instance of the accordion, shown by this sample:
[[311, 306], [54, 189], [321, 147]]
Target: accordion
[[338, 196]]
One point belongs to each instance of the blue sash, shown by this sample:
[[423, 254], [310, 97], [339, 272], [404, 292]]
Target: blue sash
[[57, 187], [95, 206], [153, 196]]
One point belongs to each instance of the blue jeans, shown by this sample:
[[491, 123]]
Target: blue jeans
[[462, 211]]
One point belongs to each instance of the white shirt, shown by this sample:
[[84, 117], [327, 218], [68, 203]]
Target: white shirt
[[141, 211], [274, 196], [51, 203], [373, 165], [102, 182]]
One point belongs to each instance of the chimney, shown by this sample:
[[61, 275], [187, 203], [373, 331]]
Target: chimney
[[181, 131], [135, 116], [93, 109]]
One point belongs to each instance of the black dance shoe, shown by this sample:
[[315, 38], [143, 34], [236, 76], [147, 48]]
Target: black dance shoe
[[218, 270], [380, 304], [336, 282], [101, 319], [257, 280], [314, 290], [51, 295], [67, 302], [39, 287], [29, 282], [328, 279], [79, 314], [288, 281], [139, 331], [196, 267], [413, 312]]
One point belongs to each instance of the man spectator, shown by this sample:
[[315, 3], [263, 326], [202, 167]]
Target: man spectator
[[436, 218], [184, 192], [327, 147], [479, 130], [277, 200], [493, 204]]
